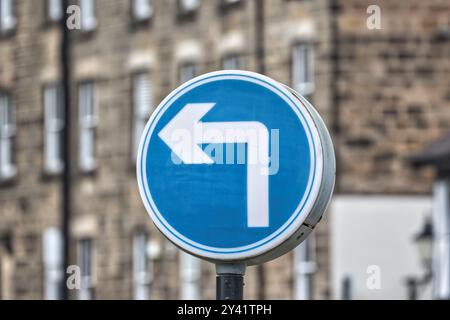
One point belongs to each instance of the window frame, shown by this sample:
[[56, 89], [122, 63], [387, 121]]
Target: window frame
[[8, 30], [186, 13], [55, 166], [305, 267], [238, 57], [48, 16], [87, 282], [142, 19], [190, 269], [87, 123], [139, 115], [141, 265], [186, 64], [53, 273], [91, 24], [226, 4], [7, 139], [306, 87]]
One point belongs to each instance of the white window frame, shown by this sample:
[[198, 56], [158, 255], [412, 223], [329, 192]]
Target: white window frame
[[190, 273], [87, 271], [8, 20], [142, 107], [303, 68], [88, 19], [53, 263], [233, 62], [54, 125], [141, 267], [188, 70], [8, 169], [142, 9], [87, 126], [54, 10], [305, 267], [187, 6]]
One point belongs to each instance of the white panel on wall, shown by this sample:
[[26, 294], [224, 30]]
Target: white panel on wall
[[374, 235]]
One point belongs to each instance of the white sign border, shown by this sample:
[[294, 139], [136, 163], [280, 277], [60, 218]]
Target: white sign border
[[268, 244]]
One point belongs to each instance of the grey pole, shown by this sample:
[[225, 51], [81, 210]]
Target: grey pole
[[230, 281]]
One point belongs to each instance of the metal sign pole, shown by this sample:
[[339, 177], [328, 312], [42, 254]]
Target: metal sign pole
[[230, 281]]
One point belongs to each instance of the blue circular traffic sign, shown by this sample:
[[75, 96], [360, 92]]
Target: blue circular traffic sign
[[234, 166]]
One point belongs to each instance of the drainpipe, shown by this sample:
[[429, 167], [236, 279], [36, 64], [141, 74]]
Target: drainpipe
[[334, 54], [65, 196], [260, 68]]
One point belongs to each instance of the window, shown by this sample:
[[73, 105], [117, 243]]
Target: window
[[304, 269], [54, 124], [52, 258], [190, 277], [187, 72], [7, 132], [303, 69], [230, 1], [188, 6], [141, 274], [7, 267], [54, 10], [142, 106], [87, 11], [233, 62], [85, 262], [7, 19], [87, 126], [142, 9]]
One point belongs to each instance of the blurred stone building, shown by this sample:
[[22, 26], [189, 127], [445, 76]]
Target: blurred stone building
[[383, 92]]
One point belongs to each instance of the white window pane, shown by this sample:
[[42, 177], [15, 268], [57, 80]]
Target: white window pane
[[86, 267], [54, 111], [190, 276], [55, 10], [142, 94], [87, 125], [233, 63], [87, 149], [304, 269], [189, 5], [7, 19], [142, 9], [54, 124], [7, 131], [87, 104], [303, 69], [141, 273], [139, 125], [88, 19], [7, 168], [52, 259], [142, 100], [187, 72], [7, 125]]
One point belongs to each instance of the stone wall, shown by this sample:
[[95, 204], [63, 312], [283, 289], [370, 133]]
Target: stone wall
[[384, 93]]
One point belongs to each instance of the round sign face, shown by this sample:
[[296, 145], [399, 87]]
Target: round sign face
[[233, 166]]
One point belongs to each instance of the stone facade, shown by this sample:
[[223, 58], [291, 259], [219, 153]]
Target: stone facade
[[383, 92], [392, 92]]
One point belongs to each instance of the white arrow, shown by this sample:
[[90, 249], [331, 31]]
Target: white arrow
[[185, 132]]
